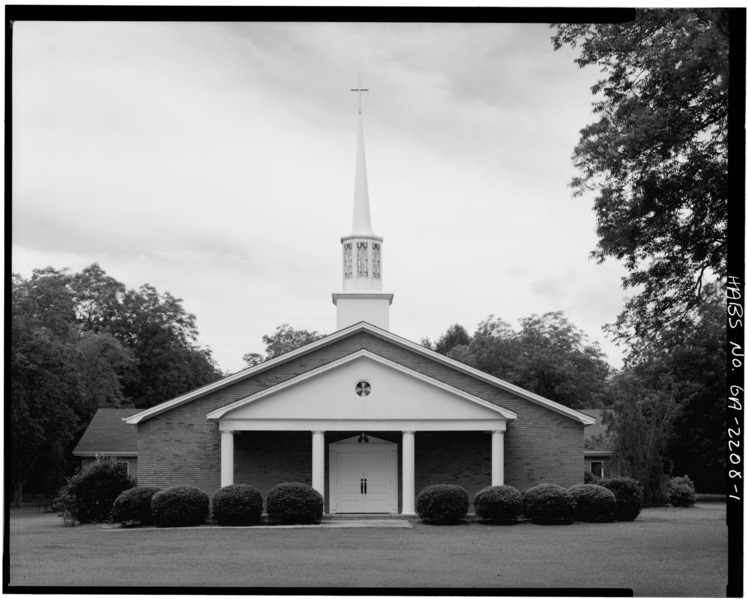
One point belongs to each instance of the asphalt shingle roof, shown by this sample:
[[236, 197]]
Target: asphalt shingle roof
[[108, 434]]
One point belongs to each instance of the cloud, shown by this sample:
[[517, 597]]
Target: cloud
[[216, 161]]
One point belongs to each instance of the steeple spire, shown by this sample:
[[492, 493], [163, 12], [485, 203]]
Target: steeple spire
[[362, 298], [361, 206]]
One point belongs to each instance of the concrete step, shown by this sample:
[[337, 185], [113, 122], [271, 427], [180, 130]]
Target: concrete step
[[339, 517]]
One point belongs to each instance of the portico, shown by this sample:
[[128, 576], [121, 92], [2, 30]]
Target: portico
[[330, 399]]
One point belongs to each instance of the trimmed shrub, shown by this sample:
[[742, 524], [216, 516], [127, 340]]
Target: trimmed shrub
[[590, 479], [549, 504], [295, 503], [237, 505], [133, 505], [89, 495], [442, 504], [183, 505], [681, 491], [593, 503], [64, 505], [498, 504], [628, 497]]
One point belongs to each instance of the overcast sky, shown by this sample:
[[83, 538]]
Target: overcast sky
[[216, 162]]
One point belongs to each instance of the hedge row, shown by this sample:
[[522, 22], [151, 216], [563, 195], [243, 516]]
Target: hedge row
[[105, 491], [234, 505], [611, 499]]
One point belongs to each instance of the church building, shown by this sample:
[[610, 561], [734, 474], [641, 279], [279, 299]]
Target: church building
[[366, 417]]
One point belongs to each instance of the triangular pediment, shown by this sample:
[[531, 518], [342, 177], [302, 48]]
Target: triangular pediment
[[362, 387]]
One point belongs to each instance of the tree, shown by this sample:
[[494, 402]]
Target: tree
[[669, 412], [689, 364], [44, 382], [657, 157], [491, 350], [454, 336], [252, 359], [102, 363], [548, 356], [44, 386], [285, 339], [97, 298], [162, 336], [82, 341], [640, 425], [556, 360]]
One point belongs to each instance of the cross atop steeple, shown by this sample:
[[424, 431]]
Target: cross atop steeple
[[359, 89]]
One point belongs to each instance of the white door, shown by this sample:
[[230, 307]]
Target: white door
[[350, 482], [377, 486], [363, 477]]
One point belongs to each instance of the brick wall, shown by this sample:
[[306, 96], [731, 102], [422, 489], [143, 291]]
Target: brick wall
[[457, 458], [182, 447], [264, 459]]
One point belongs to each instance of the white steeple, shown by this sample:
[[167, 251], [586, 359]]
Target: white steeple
[[361, 207], [362, 298]]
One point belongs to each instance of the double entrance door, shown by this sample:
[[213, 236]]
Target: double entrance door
[[363, 477]]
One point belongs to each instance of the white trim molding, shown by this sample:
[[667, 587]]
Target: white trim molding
[[379, 425]]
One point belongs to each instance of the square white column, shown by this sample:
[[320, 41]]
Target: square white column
[[226, 458], [317, 461], [497, 458], [408, 473]]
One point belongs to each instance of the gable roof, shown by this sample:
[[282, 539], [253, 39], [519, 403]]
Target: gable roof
[[347, 332], [107, 434]]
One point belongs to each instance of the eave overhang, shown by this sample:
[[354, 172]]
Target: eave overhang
[[115, 454], [597, 453]]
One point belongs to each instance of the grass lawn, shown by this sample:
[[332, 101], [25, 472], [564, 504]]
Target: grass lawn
[[665, 552]]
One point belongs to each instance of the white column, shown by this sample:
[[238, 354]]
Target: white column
[[317, 461], [497, 454], [226, 458], [408, 473]]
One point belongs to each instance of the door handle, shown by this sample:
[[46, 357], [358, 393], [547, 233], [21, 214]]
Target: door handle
[[365, 486], [361, 486]]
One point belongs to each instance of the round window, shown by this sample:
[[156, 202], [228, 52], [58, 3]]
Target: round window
[[363, 388]]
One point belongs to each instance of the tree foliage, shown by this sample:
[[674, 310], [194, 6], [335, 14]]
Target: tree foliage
[[284, 339], [641, 423], [83, 341], [669, 411], [44, 389], [454, 336], [656, 158], [547, 355]]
